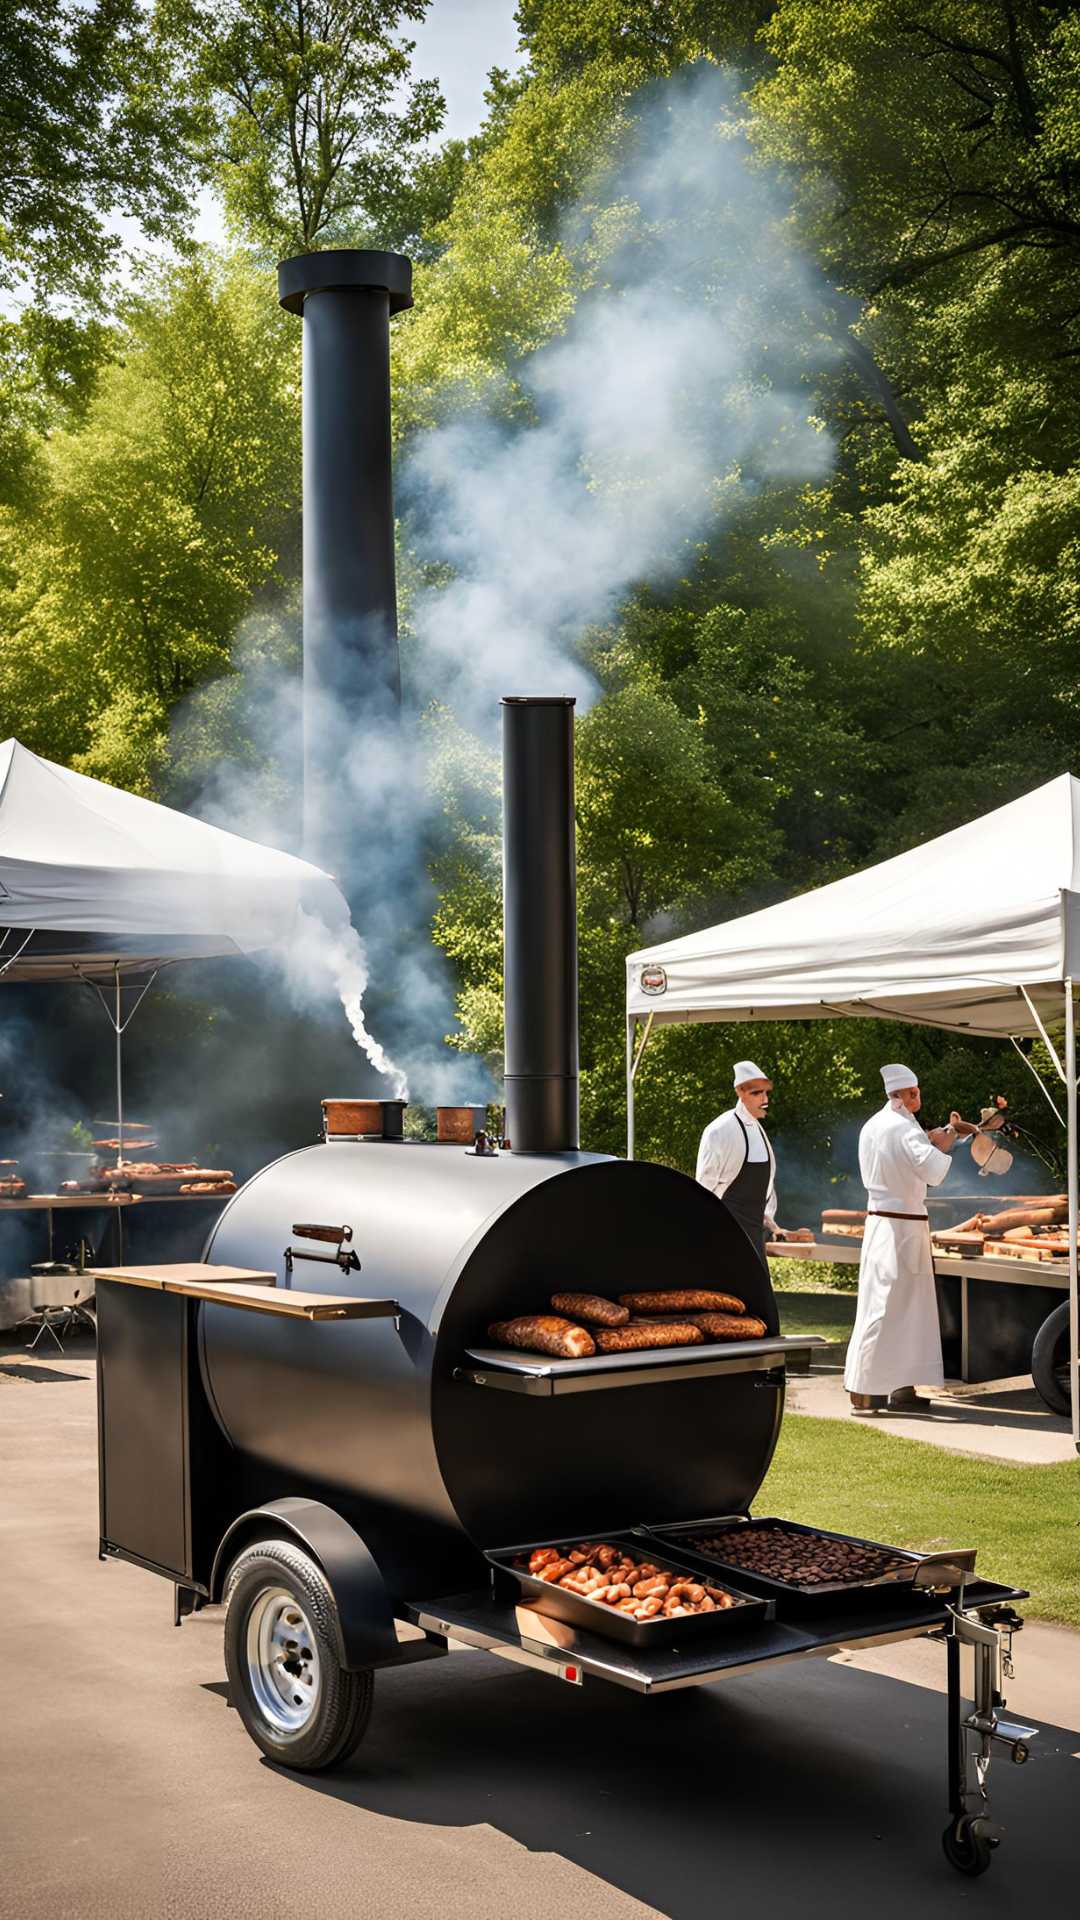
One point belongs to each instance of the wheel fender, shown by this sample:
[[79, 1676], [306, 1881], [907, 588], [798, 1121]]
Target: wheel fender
[[364, 1617]]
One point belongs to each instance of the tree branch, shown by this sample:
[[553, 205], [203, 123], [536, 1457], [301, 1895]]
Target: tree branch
[[881, 386], [902, 275]]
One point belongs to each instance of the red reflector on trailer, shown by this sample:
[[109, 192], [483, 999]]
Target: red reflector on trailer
[[571, 1673]]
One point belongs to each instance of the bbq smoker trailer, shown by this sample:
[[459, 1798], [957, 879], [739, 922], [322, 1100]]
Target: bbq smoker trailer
[[353, 1470]]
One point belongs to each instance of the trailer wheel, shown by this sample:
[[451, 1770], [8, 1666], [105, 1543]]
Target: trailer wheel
[[1050, 1360], [969, 1852], [296, 1700]]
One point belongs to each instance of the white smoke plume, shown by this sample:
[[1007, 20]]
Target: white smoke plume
[[678, 387], [338, 957], [675, 391]]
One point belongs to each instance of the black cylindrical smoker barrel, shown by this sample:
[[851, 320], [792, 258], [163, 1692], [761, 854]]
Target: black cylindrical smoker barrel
[[540, 975], [351, 667]]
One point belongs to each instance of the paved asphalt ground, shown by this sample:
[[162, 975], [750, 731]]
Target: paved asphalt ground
[[130, 1791]]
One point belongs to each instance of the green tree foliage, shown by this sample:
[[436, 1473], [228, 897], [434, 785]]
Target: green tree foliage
[[153, 523], [91, 130], [310, 123]]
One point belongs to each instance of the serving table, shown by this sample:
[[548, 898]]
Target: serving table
[[986, 1330], [111, 1203]]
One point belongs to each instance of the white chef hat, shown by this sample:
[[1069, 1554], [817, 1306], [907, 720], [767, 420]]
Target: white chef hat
[[897, 1077], [747, 1070]]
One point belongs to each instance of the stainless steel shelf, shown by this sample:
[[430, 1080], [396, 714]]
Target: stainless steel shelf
[[512, 1372]]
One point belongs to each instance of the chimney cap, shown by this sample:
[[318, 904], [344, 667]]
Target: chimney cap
[[339, 268], [539, 700]]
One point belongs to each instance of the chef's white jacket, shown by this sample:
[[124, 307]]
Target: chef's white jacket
[[898, 1162], [724, 1151], [896, 1341]]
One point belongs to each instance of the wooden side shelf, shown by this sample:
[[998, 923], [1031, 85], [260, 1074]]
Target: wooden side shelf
[[241, 1287]]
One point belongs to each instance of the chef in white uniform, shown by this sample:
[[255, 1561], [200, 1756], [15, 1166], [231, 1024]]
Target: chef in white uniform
[[737, 1163], [897, 1339]]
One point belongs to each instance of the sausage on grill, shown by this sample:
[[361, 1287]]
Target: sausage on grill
[[1046, 1216], [683, 1300], [544, 1333], [729, 1326], [671, 1333], [592, 1308]]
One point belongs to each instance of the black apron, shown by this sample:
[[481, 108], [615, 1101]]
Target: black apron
[[747, 1195]]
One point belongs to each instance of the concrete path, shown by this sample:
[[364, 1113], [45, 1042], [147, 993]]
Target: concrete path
[[129, 1790], [1002, 1419]]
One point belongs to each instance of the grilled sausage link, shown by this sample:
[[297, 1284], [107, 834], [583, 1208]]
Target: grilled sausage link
[[683, 1300], [729, 1326], [592, 1308], [544, 1333], [635, 1339]]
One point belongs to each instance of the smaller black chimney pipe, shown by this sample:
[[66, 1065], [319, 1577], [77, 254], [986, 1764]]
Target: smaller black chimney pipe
[[540, 978]]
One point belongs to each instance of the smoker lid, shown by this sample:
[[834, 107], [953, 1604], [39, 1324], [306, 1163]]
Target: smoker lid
[[342, 267]]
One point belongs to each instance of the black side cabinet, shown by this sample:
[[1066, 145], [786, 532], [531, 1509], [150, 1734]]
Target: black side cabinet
[[161, 1454]]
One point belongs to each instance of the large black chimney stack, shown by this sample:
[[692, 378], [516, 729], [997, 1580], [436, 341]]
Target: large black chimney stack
[[351, 664], [540, 979]]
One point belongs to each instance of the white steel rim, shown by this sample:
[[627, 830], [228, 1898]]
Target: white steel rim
[[282, 1663]]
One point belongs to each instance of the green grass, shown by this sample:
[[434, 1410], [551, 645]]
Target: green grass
[[1025, 1521], [813, 1276], [830, 1314], [810, 1301]]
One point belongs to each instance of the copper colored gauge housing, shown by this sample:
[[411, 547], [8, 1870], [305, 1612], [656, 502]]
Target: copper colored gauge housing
[[363, 1119], [459, 1126]]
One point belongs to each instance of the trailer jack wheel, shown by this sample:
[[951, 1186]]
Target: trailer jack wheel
[[971, 1836], [299, 1704], [966, 1849]]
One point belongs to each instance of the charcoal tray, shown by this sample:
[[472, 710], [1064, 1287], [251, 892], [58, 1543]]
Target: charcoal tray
[[750, 1610], [788, 1596]]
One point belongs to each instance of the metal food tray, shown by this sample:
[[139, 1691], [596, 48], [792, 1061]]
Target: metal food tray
[[750, 1610], [786, 1592]]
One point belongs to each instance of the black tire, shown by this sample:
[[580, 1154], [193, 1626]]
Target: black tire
[[300, 1706], [1050, 1360], [968, 1852]]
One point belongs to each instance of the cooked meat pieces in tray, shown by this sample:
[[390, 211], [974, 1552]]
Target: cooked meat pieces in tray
[[597, 1570], [798, 1559]]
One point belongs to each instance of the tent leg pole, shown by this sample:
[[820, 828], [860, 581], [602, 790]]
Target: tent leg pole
[[119, 1070], [1073, 1289], [631, 1027]]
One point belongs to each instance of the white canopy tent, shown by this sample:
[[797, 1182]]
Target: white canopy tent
[[99, 885], [977, 931]]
